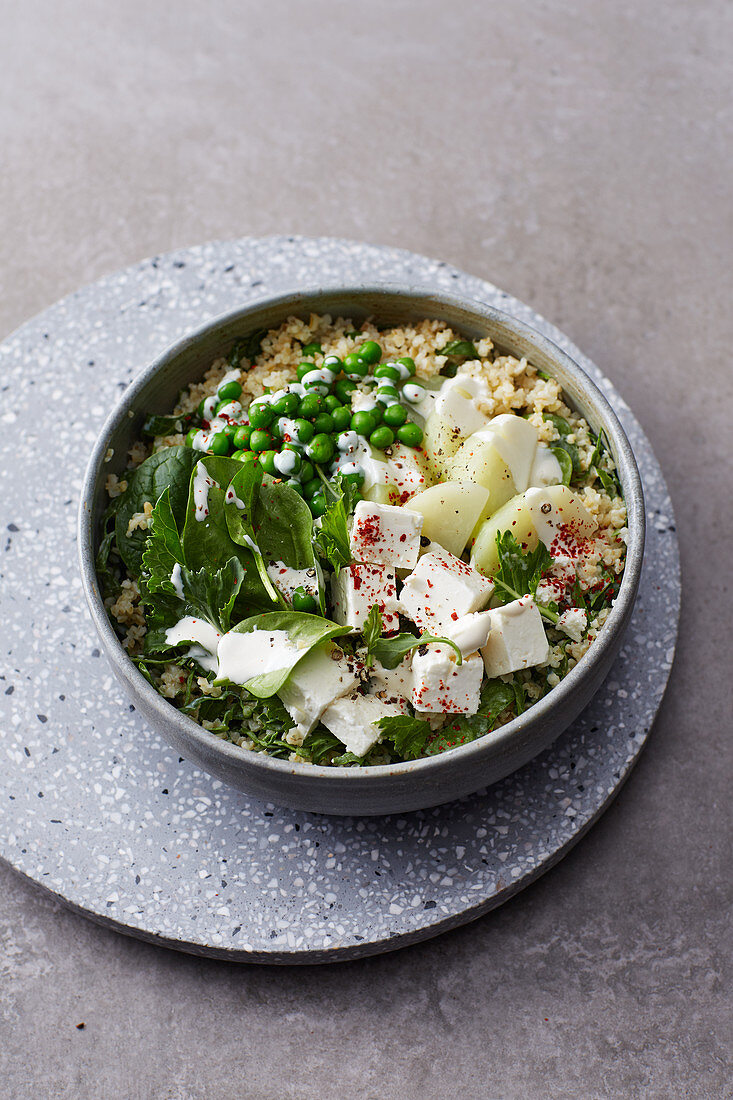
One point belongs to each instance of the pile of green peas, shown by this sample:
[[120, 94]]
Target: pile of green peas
[[291, 432]]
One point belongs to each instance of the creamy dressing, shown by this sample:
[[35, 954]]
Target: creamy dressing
[[243, 656], [286, 580], [175, 579], [204, 636], [285, 462], [231, 498], [202, 482]]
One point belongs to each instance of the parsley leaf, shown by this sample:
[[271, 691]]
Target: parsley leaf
[[331, 539], [408, 735], [519, 572], [372, 631], [496, 696]]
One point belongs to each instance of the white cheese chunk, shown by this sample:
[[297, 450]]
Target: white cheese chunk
[[470, 632], [392, 685], [386, 534], [359, 587], [441, 685], [441, 589], [314, 683], [353, 720], [572, 623], [517, 639], [286, 580]]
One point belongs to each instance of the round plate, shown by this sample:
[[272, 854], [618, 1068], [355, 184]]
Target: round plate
[[97, 810]]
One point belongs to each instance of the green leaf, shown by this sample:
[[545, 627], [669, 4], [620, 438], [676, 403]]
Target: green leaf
[[169, 468], [566, 462], [519, 571], [496, 696], [320, 743], [459, 349], [372, 631], [408, 735], [303, 630], [332, 537], [163, 550], [283, 524], [248, 348], [167, 425], [390, 651], [211, 593], [562, 425]]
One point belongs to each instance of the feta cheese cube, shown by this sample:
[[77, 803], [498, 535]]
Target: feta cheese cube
[[441, 685], [573, 622], [386, 534], [517, 639], [353, 720], [392, 685], [441, 589], [359, 587], [470, 632], [314, 683]]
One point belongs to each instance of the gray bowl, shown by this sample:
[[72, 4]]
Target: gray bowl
[[385, 788]]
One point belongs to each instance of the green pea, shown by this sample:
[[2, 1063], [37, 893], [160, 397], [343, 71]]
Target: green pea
[[341, 418], [307, 471], [239, 455], [219, 444], [267, 462], [331, 402], [311, 487], [305, 430], [333, 363], [378, 413], [312, 349], [260, 440], [408, 362], [261, 416], [395, 415], [387, 395], [230, 391], [364, 423], [320, 449], [355, 367], [295, 485], [303, 601], [382, 437], [285, 405], [317, 505], [200, 409], [386, 371], [247, 457], [343, 389], [310, 406], [410, 434], [323, 423], [370, 352], [304, 368], [191, 436], [241, 437]]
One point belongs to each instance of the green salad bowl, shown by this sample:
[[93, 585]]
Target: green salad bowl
[[387, 788]]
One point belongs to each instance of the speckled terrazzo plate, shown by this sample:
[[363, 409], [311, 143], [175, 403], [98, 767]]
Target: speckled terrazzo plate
[[96, 808]]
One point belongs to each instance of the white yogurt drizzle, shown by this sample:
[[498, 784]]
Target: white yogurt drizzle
[[202, 482]]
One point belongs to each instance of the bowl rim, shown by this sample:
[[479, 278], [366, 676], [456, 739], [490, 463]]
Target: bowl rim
[[296, 300]]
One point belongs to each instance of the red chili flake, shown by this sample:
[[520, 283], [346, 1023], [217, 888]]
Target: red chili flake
[[369, 530], [454, 616]]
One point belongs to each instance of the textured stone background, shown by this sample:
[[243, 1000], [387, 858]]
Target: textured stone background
[[578, 155]]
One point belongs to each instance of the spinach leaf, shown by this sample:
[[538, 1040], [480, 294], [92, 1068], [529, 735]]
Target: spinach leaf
[[496, 696], [248, 348], [390, 651], [560, 423], [169, 468], [519, 573], [459, 349], [207, 542], [566, 462], [163, 550], [239, 515], [167, 425], [303, 630], [283, 524], [408, 735]]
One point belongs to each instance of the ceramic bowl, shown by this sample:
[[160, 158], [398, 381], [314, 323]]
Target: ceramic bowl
[[387, 788]]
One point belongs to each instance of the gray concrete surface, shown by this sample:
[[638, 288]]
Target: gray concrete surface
[[579, 155]]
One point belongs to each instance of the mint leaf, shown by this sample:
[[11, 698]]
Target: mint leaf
[[408, 735]]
